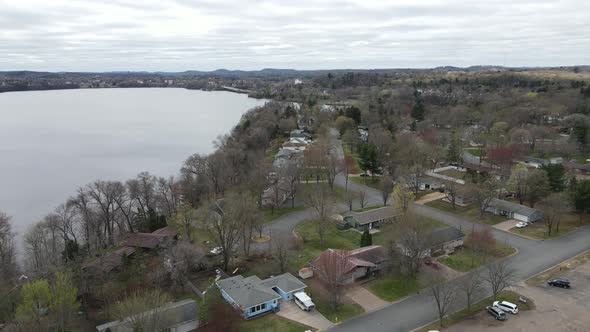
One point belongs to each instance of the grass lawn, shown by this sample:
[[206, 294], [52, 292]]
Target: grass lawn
[[393, 287], [538, 230], [310, 248], [345, 310], [355, 169], [272, 323], [368, 208], [458, 316], [470, 212], [368, 181], [270, 216], [465, 259], [477, 152], [453, 173]]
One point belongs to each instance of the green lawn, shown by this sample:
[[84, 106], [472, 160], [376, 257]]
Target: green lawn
[[310, 246], [366, 180], [270, 216], [465, 259], [470, 212], [345, 311], [393, 287], [538, 230], [272, 323], [462, 314], [476, 151]]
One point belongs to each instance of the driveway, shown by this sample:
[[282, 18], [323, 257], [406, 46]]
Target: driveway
[[430, 197], [310, 318], [506, 225], [364, 298]]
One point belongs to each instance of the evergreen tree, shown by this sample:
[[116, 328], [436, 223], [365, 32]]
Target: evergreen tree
[[368, 158], [556, 175], [366, 239]]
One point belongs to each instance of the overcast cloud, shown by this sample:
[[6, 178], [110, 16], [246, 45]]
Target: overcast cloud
[[176, 35]]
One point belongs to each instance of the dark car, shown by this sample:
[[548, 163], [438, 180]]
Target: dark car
[[559, 282], [496, 312]]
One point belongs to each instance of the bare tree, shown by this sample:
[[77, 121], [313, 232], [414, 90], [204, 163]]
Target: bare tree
[[386, 187], [104, 196], [499, 275], [321, 200], [187, 216], [402, 196], [8, 266], [350, 196], [451, 192], [444, 295], [223, 222], [292, 175], [362, 198], [518, 182], [472, 285], [281, 254], [554, 207], [332, 271], [483, 194], [412, 237], [245, 209]]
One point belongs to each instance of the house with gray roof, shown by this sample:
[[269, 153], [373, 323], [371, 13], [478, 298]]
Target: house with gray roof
[[362, 221], [445, 240], [514, 210], [252, 296]]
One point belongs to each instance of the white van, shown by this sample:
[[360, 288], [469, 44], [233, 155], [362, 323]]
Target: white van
[[506, 306], [303, 301]]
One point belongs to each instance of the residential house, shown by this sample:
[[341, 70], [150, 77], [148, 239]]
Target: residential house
[[463, 196], [514, 210], [351, 265], [252, 296], [576, 168], [162, 237], [444, 240], [108, 262], [181, 316], [370, 219]]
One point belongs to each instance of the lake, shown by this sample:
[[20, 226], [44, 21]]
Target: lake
[[52, 142]]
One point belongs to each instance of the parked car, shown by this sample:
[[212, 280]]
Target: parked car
[[506, 306], [559, 282], [521, 224], [303, 301], [216, 251], [496, 312]]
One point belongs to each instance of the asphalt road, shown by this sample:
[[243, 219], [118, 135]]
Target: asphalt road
[[414, 311], [533, 257]]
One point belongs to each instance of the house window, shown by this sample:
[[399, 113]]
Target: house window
[[258, 307]]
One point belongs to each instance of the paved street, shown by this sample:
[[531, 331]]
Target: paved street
[[533, 257]]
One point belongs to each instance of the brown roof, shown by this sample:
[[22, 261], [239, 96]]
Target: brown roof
[[143, 240], [166, 231], [575, 165], [361, 257], [374, 215], [110, 261]]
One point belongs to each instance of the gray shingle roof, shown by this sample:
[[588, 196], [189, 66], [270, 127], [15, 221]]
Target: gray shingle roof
[[247, 292], [366, 217], [445, 234], [286, 282], [514, 207]]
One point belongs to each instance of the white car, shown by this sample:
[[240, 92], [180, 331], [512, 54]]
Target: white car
[[506, 306], [521, 224], [216, 250]]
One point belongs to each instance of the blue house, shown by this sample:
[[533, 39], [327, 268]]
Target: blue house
[[252, 296]]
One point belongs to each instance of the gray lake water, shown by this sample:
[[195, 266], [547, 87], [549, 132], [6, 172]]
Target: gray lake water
[[52, 142]]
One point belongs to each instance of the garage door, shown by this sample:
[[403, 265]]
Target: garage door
[[520, 217]]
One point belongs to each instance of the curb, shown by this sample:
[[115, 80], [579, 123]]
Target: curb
[[556, 265]]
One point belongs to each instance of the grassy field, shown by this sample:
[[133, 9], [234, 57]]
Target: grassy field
[[538, 230], [462, 314], [393, 287], [272, 323], [465, 259], [477, 152], [470, 212], [345, 310], [270, 216], [366, 180]]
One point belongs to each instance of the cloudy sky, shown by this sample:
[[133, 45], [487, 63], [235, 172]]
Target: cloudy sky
[[176, 35]]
